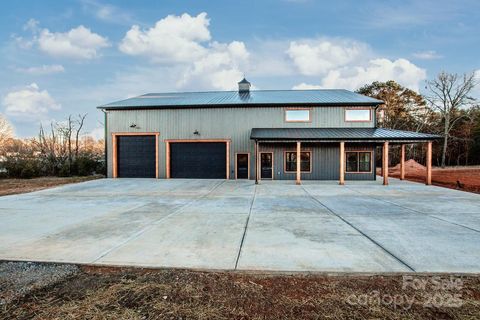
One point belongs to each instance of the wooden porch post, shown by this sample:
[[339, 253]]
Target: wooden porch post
[[342, 163], [402, 162], [257, 170], [298, 163], [428, 180], [381, 171], [167, 158], [385, 163]]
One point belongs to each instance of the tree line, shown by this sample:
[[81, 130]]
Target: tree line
[[447, 108], [59, 150]]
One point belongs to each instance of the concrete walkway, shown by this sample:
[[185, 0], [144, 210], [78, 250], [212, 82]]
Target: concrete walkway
[[216, 224]]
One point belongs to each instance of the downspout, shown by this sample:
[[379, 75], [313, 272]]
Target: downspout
[[375, 149], [375, 116], [105, 142]]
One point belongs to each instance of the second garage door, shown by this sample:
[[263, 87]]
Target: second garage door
[[198, 160]]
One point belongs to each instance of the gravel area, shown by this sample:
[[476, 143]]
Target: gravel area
[[17, 279]]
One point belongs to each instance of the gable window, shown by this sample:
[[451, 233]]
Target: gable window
[[291, 161], [358, 115], [297, 115], [358, 161]]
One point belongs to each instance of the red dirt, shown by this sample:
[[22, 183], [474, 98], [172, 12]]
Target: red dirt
[[468, 177]]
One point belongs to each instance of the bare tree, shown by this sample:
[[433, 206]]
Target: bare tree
[[448, 94], [6, 129], [80, 121]]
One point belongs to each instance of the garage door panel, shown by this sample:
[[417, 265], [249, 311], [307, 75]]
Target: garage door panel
[[199, 160], [136, 156]]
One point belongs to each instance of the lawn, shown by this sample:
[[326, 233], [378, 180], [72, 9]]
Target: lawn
[[129, 293], [16, 186]]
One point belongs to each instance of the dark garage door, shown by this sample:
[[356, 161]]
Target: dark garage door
[[136, 156], [200, 160]]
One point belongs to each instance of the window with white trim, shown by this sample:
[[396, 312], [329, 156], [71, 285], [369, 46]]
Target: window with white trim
[[357, 115], [297, 115]]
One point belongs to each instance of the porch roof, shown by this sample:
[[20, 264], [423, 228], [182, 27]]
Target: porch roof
[[339, 134]]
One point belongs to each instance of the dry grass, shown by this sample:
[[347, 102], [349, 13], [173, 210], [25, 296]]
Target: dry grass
[[126, 293], [16, 186]]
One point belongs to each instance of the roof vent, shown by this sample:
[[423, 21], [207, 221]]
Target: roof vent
[[244, 86]]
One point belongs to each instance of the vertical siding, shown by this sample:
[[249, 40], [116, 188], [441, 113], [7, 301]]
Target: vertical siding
[[325, 161], [226, 123]]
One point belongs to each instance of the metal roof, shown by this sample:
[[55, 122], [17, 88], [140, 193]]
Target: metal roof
[[251, 98], [336, 134]]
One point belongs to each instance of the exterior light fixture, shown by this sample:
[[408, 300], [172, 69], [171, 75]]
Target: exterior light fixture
[[196, 133]]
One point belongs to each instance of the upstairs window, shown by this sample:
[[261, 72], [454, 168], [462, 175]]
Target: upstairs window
[[291, 161], [297, 115], [358, 161], [358, 115]]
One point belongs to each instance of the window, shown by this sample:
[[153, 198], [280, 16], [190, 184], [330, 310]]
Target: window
[[357, 115], [358, 161], [297, 115], [291, 161]]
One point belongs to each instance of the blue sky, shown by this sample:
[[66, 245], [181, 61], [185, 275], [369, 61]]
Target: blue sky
[[67, 57]]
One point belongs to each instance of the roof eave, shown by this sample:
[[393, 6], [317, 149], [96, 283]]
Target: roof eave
[[233, 105]]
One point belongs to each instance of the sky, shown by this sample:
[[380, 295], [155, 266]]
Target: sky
[[68, 57]]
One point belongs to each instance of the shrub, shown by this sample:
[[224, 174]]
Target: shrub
[[28, 171]]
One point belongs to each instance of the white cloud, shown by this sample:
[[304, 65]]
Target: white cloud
[[349, 64], [219, 68], [43, 69], [29, 103], [427, 55], [31, 25], [184, 43], [172, 39], [317, 57], [78, 43], [306, 86], [107, 12], [97, 133], [400, 70]]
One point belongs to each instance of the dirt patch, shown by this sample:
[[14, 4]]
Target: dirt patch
[[16, 186], [461, 178], [128, 293]]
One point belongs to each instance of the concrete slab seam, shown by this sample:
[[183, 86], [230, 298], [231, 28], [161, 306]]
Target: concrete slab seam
[[246, 227], [416, 211], [359, 231], [154, 223]]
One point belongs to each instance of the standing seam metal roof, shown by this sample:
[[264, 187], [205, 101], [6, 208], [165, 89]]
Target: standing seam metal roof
[[337, 134], [234, 98]]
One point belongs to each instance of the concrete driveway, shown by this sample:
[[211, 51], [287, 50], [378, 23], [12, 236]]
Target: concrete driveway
[[319, 226]]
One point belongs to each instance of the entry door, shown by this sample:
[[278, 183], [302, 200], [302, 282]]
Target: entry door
[[242, 165], [266, 165]]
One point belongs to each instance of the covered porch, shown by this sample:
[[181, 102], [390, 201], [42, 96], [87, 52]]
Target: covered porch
[[332, 153]]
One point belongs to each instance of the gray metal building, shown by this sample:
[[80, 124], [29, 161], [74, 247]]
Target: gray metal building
[[265, 134]]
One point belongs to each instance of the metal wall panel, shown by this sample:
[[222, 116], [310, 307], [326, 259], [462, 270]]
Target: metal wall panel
[[325, 161], [216, 123]]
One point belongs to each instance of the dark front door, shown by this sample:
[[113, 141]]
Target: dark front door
[[266, 162], [242, 165], [136, 156], [198, 160]]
